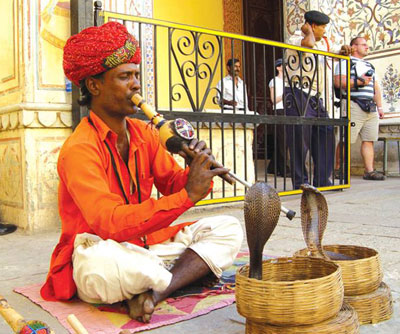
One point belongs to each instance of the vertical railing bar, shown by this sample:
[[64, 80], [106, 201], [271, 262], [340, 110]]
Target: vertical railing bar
[[264, 76], [170, 67], [211, 148], [334, 127], [234, 112], [246, 107], [327, 136], [243, 67], [234, 77], [155, 67], [318, 128], [196, 55], [222, 108], [284, 114], [303, 113], [274, 125]]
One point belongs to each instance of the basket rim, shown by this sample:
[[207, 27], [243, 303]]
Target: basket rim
[[376, 253], [337, 271]]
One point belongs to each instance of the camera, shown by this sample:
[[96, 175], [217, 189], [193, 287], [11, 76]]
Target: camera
[[369, 73]]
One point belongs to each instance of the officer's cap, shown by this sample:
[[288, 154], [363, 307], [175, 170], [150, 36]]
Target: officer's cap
[[314, 16]]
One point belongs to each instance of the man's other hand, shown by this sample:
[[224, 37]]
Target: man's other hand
[[366, 80], [381, 113], [345, 50], [196, 146]]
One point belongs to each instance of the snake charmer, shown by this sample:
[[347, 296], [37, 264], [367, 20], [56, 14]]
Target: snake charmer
[[117, 242]]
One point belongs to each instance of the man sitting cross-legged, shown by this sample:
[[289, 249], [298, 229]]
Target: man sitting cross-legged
[[117, 243]]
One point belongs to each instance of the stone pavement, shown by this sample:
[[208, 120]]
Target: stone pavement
[[367, 214]]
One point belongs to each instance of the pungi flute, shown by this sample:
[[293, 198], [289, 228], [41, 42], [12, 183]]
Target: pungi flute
[[176, 134], [17, 322]]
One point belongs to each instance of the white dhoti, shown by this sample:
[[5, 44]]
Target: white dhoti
[[106, 271]]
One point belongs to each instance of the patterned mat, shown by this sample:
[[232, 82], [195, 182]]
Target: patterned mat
[[112, 319]]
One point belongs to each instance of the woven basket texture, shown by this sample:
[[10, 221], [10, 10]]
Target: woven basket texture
[[360, 276], [293, 291], [373, 307], [345, 322]]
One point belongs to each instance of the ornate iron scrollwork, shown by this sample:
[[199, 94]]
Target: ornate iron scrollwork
[[196, 60], [301, 73]]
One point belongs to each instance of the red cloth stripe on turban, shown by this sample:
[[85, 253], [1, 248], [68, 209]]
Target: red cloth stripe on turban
[[97, 49]]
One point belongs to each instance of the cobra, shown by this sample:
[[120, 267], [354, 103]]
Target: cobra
[[262, 207], [314, 218]]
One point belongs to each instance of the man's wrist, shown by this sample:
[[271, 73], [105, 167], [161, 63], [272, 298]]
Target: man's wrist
[[360, 82]]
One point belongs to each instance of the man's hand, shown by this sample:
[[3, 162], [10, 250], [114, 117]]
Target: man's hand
[[346, 50], [308, 40], [380, 112], [306, 29], [200, 174], [195, 146], [230, 102], [366, 80]]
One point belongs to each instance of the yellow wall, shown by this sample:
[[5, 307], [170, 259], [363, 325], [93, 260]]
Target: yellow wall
[[207, 14], [12, 53], [201, 13]]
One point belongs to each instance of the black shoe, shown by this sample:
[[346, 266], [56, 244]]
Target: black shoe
[[7, 228], [374, 175]]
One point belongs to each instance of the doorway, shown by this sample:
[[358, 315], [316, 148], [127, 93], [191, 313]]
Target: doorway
[[264, 19]]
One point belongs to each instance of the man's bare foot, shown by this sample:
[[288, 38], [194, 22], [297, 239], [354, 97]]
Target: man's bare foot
[[141, 307], [207, 281]]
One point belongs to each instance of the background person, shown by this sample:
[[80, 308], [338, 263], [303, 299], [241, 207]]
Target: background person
[[363, 86], [232, 85], [276, 94], [316, 139]]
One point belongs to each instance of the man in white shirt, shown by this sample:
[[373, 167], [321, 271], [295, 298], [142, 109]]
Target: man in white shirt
[[232, 93]]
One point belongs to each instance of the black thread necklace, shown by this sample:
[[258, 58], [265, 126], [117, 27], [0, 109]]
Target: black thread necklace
[[114, 166]]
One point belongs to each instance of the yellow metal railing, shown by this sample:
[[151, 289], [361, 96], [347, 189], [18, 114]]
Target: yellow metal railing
[[161, 23]]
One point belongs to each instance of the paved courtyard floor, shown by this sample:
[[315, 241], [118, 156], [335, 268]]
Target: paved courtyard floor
[[367, 214]]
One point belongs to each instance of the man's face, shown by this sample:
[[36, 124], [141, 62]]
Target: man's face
[[235, 69], [318, 30], [116, 89], [360, 47]]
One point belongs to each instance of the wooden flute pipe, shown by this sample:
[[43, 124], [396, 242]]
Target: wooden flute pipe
[[76, 324], [13, 318], [174, 142], [17, 322]]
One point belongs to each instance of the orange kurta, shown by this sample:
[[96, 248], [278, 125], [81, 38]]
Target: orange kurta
[[91, 200]]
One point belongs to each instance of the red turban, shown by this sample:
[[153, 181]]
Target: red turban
[[98, 49]]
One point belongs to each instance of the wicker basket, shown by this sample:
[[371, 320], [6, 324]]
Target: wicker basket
[[360, 276], [346, 322], [292, 292], [373, 307]]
